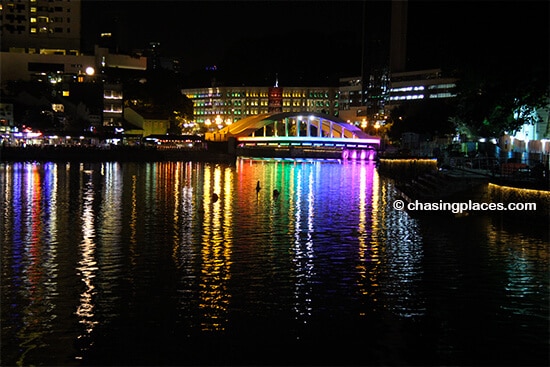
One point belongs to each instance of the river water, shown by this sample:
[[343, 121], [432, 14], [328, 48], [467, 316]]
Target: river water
[[140, 264]]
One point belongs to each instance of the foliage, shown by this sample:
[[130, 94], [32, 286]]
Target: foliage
[[158, 90], [491, 102], [33, 101]]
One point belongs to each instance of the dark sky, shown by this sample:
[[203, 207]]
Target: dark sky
[[306, 41]]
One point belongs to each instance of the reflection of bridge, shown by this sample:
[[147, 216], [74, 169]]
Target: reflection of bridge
[[298, 134]]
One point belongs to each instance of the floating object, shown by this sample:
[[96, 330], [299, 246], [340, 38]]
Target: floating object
[[258, 188], [214, 197], [276, 193]]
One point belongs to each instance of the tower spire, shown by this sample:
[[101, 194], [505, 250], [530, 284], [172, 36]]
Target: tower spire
[[276, 80]]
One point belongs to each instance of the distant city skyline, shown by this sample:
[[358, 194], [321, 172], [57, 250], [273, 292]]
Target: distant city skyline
[[252, 41]]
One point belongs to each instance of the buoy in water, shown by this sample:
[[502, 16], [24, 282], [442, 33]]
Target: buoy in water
[[258, 188], [214, 197]]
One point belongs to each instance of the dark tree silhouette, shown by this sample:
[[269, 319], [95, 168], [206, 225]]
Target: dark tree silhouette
[[430, 118], [493, 100]]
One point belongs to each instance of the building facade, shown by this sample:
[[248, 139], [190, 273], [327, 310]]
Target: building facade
[[219, 106], [418, 85], [40, 26], [40, 41], [63, 72], [359, 104]]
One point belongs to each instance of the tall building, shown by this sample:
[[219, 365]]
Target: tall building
[[350, 102], [40, 26], [398, 36], [40, 41]]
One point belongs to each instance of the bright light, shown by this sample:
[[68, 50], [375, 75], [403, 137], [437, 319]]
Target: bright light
[[90, 71]]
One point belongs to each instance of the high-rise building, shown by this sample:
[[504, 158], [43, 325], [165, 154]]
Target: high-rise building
[[40, 26], [398, 37], [40, 41]]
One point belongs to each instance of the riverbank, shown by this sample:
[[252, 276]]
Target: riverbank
[[419, 180], [214, 153]]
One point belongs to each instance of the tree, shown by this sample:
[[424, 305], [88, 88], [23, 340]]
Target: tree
[[159, 90], [429, 117], [491, 102]]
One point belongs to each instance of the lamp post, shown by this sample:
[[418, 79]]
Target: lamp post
[[219, 121]]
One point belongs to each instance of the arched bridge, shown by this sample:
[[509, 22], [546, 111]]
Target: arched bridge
[[298, 134]]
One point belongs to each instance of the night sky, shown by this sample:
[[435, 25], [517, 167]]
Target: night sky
[[316, 42]]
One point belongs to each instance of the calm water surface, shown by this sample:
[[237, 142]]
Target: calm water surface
[[138, 264]]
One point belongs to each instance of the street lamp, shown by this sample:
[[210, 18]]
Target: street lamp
[[219, 121]]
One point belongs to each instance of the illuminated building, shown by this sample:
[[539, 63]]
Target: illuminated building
[[225, 105], [351, 105], [420, 84], [41, 26], [40, 41], [6, 117], [402, 86]]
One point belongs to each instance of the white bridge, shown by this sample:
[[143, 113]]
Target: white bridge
[[298, 134]]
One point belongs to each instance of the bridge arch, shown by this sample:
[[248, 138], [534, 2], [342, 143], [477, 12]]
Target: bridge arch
[[289, 124], [298, 134]]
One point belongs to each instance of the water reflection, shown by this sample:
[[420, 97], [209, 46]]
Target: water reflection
[[301, 191], [523, 262], [87, 266], [216, 248], [33, 254], [141, 257], [368, 266]]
